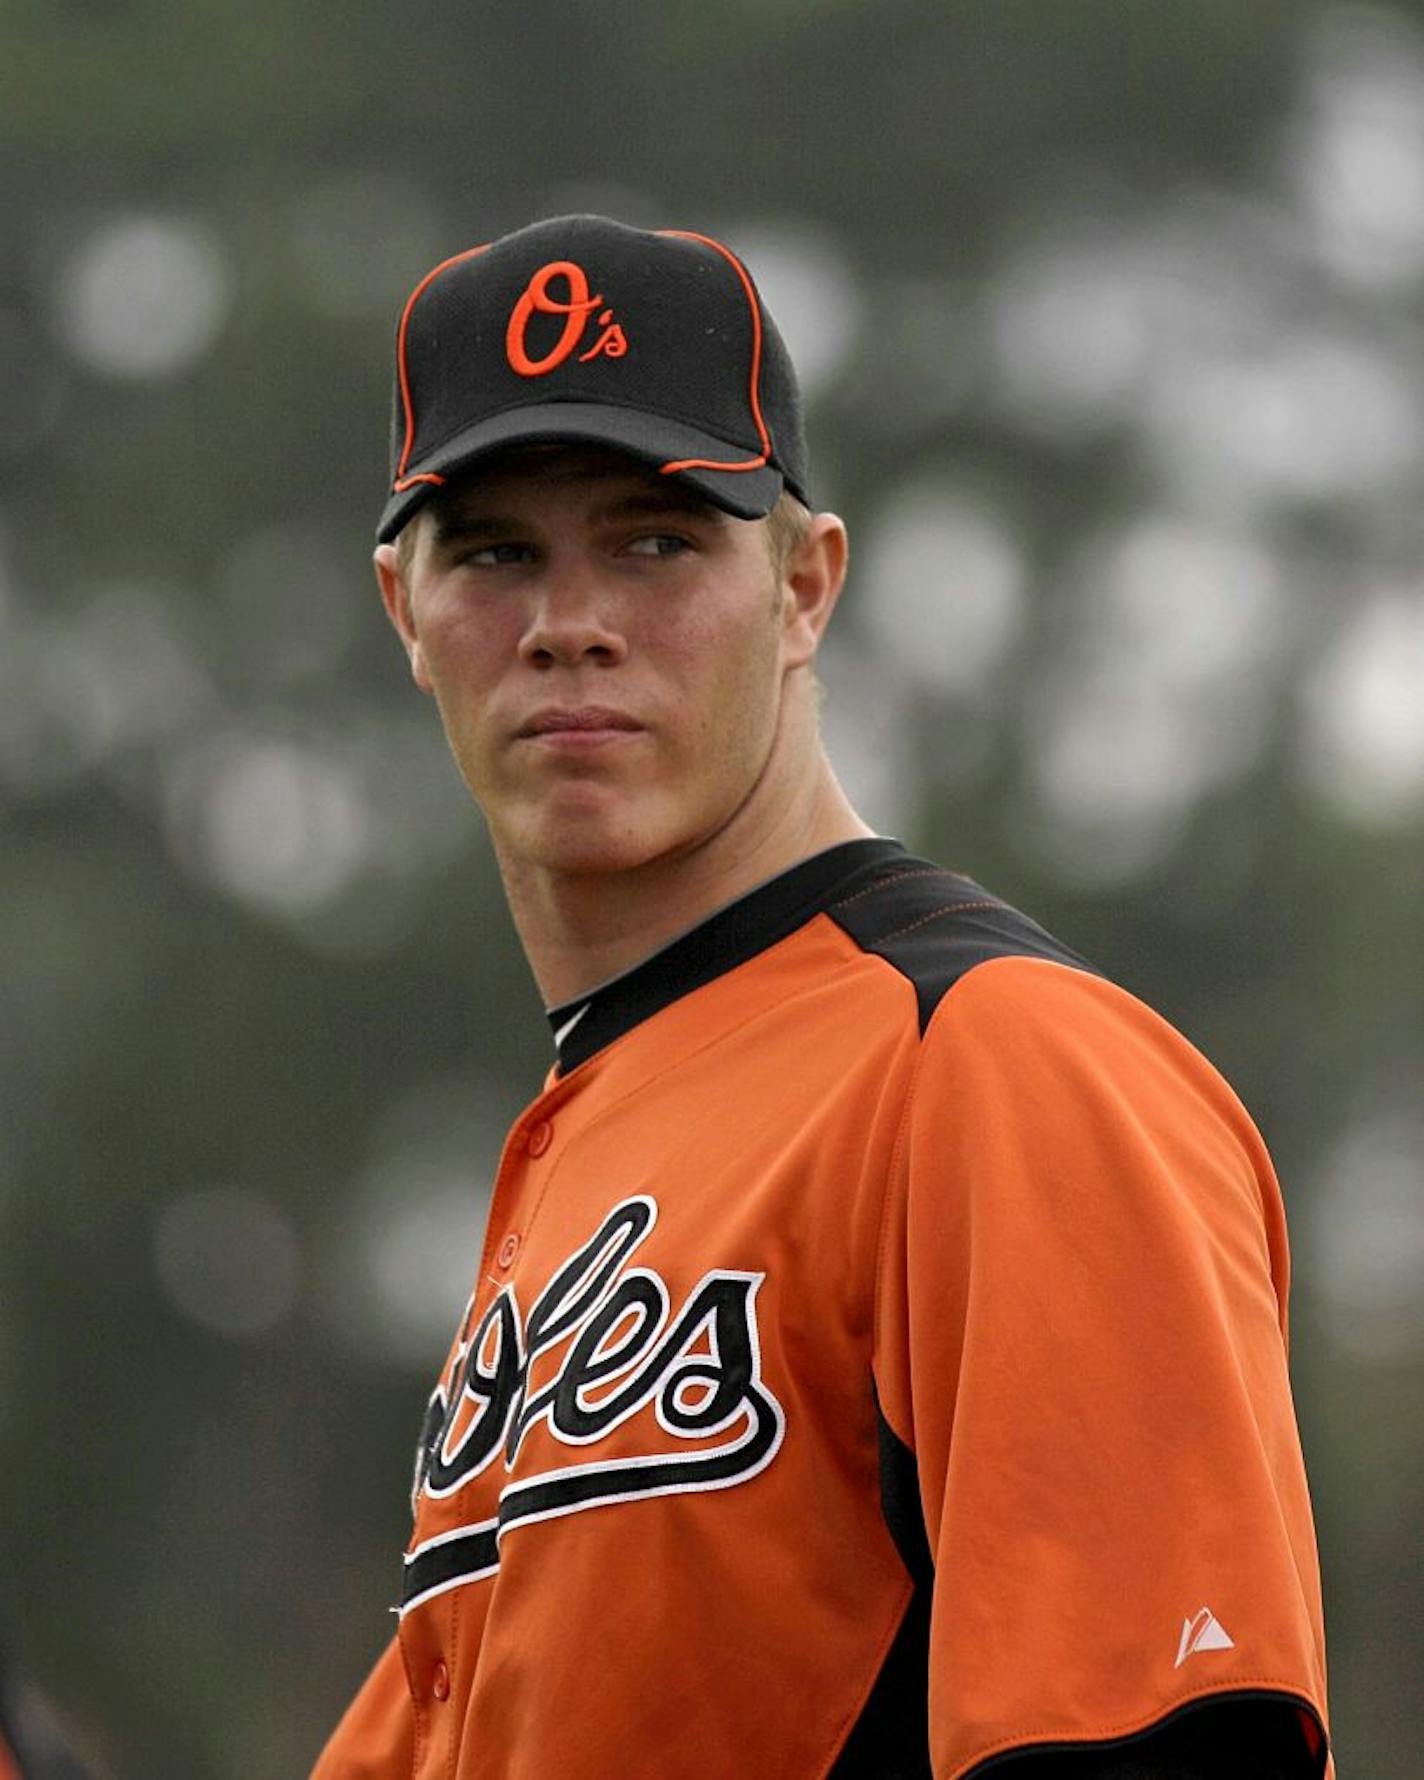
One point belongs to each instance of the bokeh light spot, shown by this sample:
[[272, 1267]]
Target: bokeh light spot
[[1362, 733], [1070, 329], [809, 285], [286, 592], [144, 296], [1366, 1237], [410, 1237], [228, 1260], [273, 821], [1356, 150], [82, 688], [1164, 693], [1311, 415], [865, 731], [944, 590]]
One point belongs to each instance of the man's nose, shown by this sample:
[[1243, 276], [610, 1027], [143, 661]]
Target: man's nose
[[573, 618]]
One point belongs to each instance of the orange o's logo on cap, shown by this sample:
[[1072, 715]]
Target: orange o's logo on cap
[[575, 308]]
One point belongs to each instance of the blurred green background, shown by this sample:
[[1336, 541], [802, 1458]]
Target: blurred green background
[[1110, 317]]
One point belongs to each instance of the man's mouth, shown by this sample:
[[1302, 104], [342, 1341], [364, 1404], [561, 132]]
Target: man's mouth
[[577, 720]]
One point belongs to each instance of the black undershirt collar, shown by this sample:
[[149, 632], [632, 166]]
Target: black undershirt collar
[[724, 940]]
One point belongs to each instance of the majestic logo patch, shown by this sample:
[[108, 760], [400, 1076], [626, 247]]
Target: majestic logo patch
[[575, 308], [610, 1351], [1203, 1632]]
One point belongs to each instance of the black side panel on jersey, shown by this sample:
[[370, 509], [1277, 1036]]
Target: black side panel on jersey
[[934, 925], [900, 1504], [891, 1738]]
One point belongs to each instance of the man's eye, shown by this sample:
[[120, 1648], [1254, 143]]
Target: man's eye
[[659, 544], [489, 555]]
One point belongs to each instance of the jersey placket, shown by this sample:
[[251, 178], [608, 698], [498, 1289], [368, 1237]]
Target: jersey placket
[[436, 1631]]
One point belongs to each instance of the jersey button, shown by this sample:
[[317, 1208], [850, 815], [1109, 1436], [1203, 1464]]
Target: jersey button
[[508, 1249], [440, 1682], [541, 1135]]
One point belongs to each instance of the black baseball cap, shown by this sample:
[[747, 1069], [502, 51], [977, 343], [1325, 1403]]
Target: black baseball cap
[[583, 330]]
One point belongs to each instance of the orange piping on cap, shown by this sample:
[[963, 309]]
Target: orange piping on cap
[[401, 481], [751, 463]]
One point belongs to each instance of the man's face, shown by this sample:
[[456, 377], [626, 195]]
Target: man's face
[[608, 653]]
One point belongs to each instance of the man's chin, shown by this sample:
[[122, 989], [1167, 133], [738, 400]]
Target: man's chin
[[576, 849]]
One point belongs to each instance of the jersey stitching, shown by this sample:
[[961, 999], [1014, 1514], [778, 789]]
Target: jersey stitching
[[883, 1237], [1126, 1728], [416, 1710], [452, 1741], [898, 877], [955, 908]]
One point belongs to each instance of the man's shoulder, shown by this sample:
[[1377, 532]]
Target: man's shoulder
[[1010, 1014], [934, 926]]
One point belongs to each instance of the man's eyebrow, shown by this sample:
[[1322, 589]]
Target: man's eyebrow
[[459, 526], [655, 501]]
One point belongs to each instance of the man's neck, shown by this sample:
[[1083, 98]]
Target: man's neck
[[579, 931]]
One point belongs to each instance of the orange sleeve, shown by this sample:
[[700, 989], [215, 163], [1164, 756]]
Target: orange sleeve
[[1081, 1337]]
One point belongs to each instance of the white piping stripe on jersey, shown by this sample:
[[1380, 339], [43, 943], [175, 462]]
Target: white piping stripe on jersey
[[569, 1025], [458, 1581], [443, 1588], [475, 1526]]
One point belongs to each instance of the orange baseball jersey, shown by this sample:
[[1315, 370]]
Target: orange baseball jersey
[[876, 1366]]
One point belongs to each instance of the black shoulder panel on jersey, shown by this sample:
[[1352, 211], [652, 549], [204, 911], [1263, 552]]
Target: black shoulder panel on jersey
[[729, 937], [934, 925]]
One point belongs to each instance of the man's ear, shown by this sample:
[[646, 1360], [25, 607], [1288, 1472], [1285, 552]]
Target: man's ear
[[813, 577], [395, 596]]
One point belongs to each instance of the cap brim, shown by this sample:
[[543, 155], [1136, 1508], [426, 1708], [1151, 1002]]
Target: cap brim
[[651, 438]]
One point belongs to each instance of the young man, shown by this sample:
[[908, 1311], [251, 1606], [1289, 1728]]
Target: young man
[[876, 1363]]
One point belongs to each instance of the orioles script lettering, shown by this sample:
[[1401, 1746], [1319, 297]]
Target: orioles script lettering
[[576, 307], [603, 1345]]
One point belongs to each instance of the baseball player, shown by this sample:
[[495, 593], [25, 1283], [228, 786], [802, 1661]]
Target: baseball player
[[876, 1361]]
